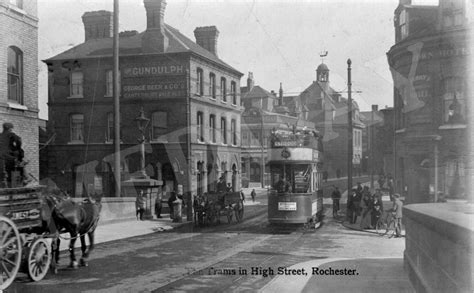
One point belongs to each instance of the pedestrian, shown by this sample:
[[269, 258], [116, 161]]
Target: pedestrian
[[242, 195], [140, 205], [356, 198], [377, 208], [397, 213], [253, 194], [229, 187], [171, 199], [158, 206], [366, 208], [221, 186], [350, 205], [336, 197]]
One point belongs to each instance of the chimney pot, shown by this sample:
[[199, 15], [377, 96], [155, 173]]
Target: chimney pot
[[206, 37], [250, 81], [97, 24]]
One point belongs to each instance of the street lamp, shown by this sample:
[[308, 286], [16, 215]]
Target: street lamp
[[142, 123]]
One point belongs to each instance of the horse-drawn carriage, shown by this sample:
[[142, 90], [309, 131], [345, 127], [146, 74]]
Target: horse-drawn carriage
[[22, 241], [28, 217], [210, 207]]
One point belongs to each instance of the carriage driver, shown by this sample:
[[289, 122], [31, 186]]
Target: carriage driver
[[11, 154]]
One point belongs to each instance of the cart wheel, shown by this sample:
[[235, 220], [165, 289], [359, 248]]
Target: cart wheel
[[10, 252], [239, 212], [39, 259]]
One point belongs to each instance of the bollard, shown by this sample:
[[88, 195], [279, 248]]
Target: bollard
[[177, 215]]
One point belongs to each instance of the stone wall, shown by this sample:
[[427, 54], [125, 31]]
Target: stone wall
[[439, 253]]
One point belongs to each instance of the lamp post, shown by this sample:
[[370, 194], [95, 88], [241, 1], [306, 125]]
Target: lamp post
[[142, 123]]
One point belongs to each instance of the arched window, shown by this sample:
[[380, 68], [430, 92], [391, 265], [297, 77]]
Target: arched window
[[15, 75], [200, 127], [224, 89], [212, 85], [212, 128], [233, 92], [199, 82]]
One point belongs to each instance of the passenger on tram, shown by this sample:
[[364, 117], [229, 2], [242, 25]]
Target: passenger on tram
[[282, 185]]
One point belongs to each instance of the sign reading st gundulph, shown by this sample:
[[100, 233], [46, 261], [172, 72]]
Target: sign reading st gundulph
[[154, 80]]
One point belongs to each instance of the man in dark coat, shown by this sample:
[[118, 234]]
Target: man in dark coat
[[11, 153], [336, 197], [170, 203]]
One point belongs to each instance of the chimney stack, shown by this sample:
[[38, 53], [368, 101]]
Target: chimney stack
[[280, 100], [154, 39], [250, 81], [97, 24], [206, 37]]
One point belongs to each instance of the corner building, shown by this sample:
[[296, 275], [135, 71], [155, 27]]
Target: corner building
[[19, 78], [432, 73], [190, 96]]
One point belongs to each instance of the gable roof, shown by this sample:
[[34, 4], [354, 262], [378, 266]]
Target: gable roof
[[130, 45], [258, 92]]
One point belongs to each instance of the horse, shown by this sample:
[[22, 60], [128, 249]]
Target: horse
[[77, 219]]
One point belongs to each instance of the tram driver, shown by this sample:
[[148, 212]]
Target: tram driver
[[282, 185]]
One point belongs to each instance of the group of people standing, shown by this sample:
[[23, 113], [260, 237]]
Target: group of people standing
[[362, 203], [369, 207]]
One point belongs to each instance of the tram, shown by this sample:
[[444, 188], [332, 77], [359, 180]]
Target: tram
[[295, 160]]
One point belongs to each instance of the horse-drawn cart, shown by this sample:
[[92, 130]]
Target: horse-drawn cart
[[210, 207], [22, 241]]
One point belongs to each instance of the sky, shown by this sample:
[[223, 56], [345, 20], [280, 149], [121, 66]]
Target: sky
[[279, 41]]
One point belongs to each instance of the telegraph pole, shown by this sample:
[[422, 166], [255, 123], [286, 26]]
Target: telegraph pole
[[349, 129], [116, 93]]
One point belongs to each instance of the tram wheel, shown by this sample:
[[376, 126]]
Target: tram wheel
[[39, 259], [10, 252]]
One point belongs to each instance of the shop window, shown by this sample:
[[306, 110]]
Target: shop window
[[454, 102]]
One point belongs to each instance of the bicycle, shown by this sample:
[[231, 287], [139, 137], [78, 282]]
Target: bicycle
[[386, 222]]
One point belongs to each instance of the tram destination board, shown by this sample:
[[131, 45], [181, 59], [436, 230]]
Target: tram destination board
[[287, 206]]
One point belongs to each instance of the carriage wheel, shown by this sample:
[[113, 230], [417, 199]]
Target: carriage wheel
[[239, 212], [10, 252], [39, 259]]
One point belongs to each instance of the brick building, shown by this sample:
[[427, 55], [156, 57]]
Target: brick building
[[328, 110], [266, 112], [19, 59], [190, 96], [432, 73]]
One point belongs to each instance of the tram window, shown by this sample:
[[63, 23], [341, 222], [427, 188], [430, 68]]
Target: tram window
[[302, 178]]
